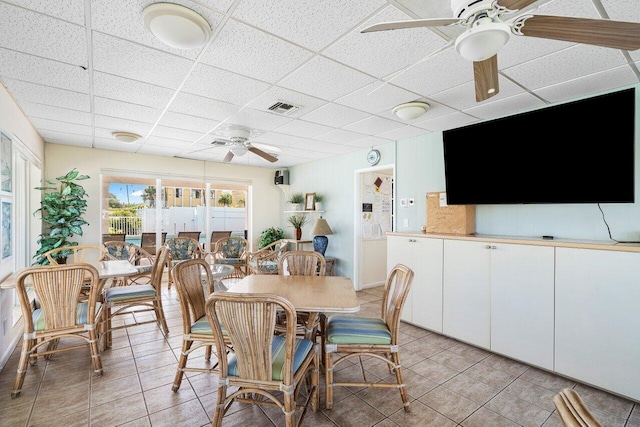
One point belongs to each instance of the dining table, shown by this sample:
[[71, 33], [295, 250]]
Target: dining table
[[313, 294]]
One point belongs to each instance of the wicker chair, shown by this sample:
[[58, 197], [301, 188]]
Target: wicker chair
[[572, 410], [76, 254], [181, 249], [215, 236], [61, 313], [120, 237], [373, 338], [148, 241], [232, 251], [191, 234], [134, 299], [137, 256], [263, 366], [265, 261], [194, 283]]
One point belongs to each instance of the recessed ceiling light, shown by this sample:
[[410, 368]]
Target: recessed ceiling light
[[127, 137], [176, 25], [410, 110]]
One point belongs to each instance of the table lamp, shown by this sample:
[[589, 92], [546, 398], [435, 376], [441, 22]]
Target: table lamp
[[321, 230]]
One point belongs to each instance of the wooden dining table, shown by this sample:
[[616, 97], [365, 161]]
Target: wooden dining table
[[313, 294]]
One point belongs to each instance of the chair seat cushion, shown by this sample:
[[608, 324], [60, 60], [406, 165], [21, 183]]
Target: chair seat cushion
[[123, 293], [202, 326], [230, 261], [81, 315], [357, 330], [264, 267], [144, 268], [302, 349]]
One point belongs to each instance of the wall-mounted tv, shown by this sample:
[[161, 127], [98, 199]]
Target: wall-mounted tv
[[576, 152]]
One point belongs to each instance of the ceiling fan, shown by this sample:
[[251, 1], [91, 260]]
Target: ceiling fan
[[238, 143], [488, 29]]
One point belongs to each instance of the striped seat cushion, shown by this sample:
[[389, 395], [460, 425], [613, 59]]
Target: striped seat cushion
[[302, 349], [230, 261], [123, 293], [202, 326], [357, 330], [81, 315]]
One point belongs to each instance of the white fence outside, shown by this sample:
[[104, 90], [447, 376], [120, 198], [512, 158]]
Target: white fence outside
[[176, 219]]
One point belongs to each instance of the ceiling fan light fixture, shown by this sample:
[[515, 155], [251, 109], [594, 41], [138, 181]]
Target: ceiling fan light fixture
[[176, 25], [239, 150], [410, 110], [482, 41], [126, 137]]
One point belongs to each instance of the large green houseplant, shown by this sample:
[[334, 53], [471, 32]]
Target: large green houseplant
[[62, 207], [270, 235]]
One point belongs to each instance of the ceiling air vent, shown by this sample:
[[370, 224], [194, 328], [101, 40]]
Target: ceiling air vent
[[283, 108]]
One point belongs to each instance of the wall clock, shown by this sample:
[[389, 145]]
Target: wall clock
[[373, 157]]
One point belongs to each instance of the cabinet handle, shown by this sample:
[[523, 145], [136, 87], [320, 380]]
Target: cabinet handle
[[412, 240], [490, 247]]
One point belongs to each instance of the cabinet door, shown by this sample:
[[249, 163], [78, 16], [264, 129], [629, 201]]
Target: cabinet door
[[522, 281], [598, 318], [400, 250], [466, 313]]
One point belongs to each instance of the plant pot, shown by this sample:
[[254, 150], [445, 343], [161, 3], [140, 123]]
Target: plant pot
[[296, 206], [319, 206], [298, 233]]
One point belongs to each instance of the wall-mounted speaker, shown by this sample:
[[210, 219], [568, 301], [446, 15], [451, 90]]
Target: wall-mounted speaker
[[282, 177]]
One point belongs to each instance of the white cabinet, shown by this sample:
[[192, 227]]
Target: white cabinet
[[598, 318], [466, 290], [522, 286], [500, 297], [423, 306]]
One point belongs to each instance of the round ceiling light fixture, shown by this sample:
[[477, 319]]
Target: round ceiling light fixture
[[126, 137], [483, 40], [410, 110], [239, 150], [176, 25]]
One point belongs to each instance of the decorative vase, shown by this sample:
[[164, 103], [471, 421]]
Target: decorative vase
[[296, 206], [298, 233], [320, 244], [319, 206]]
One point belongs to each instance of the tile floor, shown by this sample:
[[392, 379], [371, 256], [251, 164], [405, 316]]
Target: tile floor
[[450, 383]]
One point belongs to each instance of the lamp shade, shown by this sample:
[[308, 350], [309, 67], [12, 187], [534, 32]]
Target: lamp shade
[[321, 228]]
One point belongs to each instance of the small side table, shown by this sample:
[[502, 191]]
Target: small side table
[[331, 266], [218, 271]]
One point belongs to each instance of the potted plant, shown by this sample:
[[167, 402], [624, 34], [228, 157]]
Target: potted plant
[[62, 206], [297, 222], [296, 200], [270, 235], [318, 201]]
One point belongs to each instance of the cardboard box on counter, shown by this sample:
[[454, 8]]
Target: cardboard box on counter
[[442, 218]]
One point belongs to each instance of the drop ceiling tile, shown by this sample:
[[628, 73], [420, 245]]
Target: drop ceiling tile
[[567, 64], [340, 136], [219, 5], [521, 49], [126, 59], [133, 91], [223, 85], [176, 134], [309, 23], [279, 139], [279, 94], [105, 125], [255, 119], [463, 97], [125, 110], [444, 70], [30, 92], [449, 121], [303, 128], [41, 35], [404, 132], [373, 125], [54, 125], [69, 10], [123, 19], [166, 142], [43, 71], [589, 85], [42, 111], [377, 97], [325, 79], [385, 52], [65, 138], [184, 121], [158, 151], [246, 50], [334, 115], [114, 144], [371, 141], [195, 105], [506, 107]]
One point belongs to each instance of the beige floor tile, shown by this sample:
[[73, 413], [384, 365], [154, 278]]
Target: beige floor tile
[[493, 377], [548, 380], [385, 400], [56, 403], [353, 412], [484, 417], [532, 393], [119, 411], [163, 397], [518, 410], [106, 390], [421, 416], [434, 371], [598, 399], [453, 360], [450, 404], [471, 388], [189, 413], [77, 419]]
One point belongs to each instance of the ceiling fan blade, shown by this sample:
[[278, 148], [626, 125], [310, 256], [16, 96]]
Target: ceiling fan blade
[[397, 25], [228, 157], [485, 74], [515, 4], [263, 154], [599, 32]]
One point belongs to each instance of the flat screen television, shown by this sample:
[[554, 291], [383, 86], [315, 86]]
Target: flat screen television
[[576, 152]]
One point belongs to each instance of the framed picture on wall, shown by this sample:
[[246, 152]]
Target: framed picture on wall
[[310, 202], [5, 230], [5, 163]]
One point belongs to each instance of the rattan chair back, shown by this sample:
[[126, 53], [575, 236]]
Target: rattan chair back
[[76, 254], [302, 263]]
